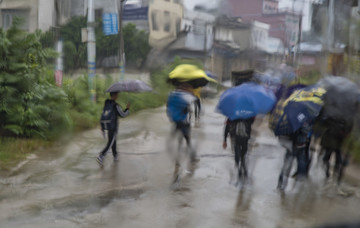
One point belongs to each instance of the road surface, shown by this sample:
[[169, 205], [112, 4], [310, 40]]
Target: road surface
[[64, 186]]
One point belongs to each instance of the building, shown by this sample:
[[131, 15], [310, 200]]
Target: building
[[165, 19], [231, 48], [177, 31], [136, 12], [284, 24], [36, 14]]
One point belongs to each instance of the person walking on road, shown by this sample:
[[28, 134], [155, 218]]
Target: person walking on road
[[297, 147], [336, 131], [240, 133], [197, 106], [179, 112], [109, 123]]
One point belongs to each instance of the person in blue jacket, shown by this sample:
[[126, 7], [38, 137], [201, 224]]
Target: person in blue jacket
[[178, 110]]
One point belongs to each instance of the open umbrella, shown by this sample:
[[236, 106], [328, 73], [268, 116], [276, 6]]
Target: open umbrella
[[129, 86], [190, 74], [211, 75], [341, 98], [304, 105], [245, 101]]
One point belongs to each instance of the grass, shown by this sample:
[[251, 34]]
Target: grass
[[14, 150]]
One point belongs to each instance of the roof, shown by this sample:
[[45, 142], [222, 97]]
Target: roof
[[225, 21]]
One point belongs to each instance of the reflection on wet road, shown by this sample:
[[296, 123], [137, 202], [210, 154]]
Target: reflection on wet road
[[64, 186]]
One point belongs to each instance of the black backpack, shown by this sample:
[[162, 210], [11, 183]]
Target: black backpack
[[108, 116]]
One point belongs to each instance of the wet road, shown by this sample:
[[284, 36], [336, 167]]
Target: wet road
[[65, 187]]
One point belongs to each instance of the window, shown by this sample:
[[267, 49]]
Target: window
[[178, 25], [154, 22], [9, 15], [98, 14], [167, 21], [7, 20]]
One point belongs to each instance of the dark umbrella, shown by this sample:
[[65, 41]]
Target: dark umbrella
[[341, 98], [304, 105], [129, 86]]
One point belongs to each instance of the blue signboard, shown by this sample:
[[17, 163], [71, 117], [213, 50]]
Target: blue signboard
[[135, 13], [110, 24]]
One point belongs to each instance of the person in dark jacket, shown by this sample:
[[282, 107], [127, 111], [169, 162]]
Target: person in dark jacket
[[112, 126], [240, 133], [297, 147], [335, 133]]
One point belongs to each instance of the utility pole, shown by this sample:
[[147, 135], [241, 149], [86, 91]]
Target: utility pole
[[91, 49], [331, 23], [331, 39], [121, 39]]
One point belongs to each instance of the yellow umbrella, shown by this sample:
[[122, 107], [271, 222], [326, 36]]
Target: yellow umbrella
[[188, 72]]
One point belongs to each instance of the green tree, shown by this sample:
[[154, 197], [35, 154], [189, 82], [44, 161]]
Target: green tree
[[136, 45], [30, 104], [75, 51]]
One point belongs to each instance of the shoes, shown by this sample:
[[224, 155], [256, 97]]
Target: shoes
[[100, 160], [116, 157], [193, 157]]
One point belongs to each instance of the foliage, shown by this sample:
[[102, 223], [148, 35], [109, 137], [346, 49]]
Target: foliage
[[13, 150], [75, 53], [47, 39], [135, 44], [30, 104]]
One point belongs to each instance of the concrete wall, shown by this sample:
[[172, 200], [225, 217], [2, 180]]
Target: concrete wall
[[41, 12], [31, 5], [46, 15]]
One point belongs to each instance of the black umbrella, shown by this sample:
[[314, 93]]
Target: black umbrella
[[129, 86], [341, 98]]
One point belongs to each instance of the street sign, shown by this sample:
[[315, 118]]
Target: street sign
[[136, 13], [110, 24]]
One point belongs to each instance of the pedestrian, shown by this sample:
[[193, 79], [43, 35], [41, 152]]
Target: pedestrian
[[179, 112], [336, 131], [297, 147], [197, 106], [109, 123], [240, 133]]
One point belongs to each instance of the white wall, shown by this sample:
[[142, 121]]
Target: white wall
[[46, 14]]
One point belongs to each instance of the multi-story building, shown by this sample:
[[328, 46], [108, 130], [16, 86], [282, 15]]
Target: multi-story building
[[165, 17], [283, 24], [35, 14], [175, 30]]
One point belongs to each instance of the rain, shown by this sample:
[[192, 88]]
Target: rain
[[179, 113]]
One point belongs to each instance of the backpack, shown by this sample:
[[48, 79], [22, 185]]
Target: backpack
[[241, 129], [108, 116], [178, 106]]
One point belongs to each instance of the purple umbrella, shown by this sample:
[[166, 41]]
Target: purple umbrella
[[129, 86]]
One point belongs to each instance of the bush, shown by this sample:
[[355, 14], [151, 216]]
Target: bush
[[30, 104]]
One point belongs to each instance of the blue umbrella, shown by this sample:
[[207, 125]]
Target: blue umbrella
[[303, 106], [246, 101], [211, 75]]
